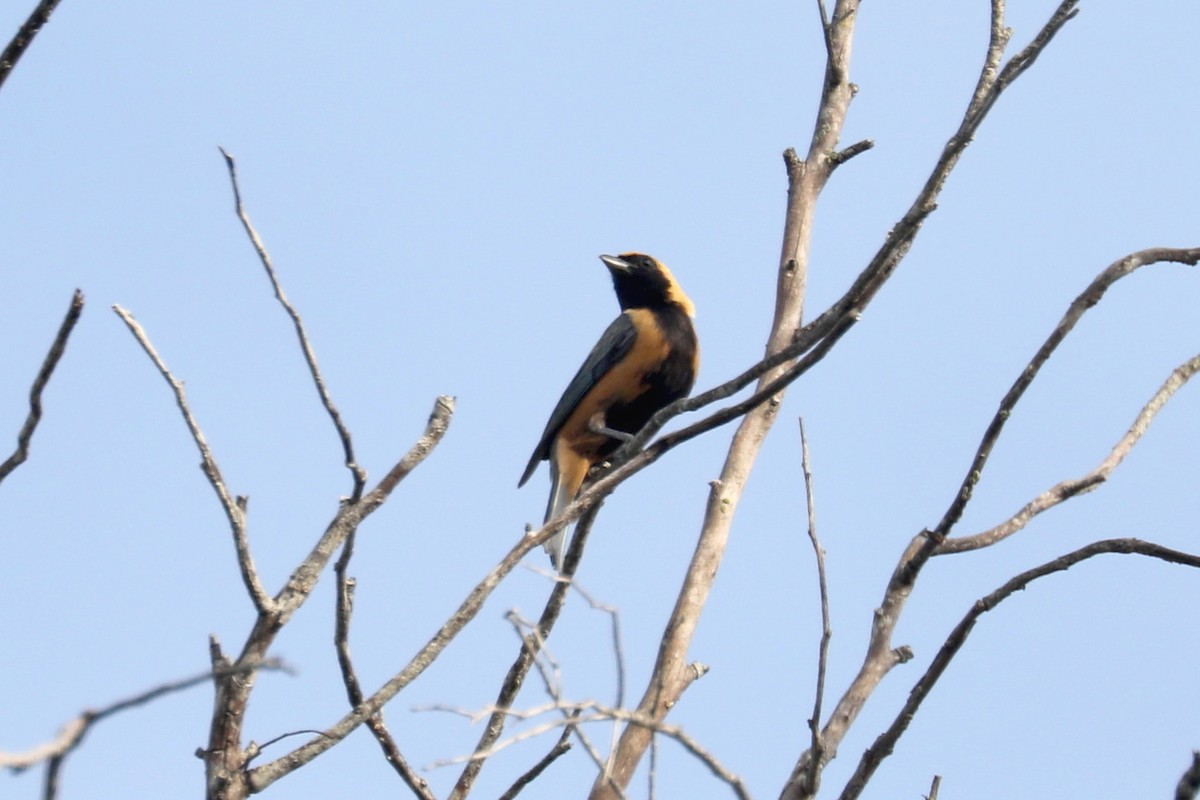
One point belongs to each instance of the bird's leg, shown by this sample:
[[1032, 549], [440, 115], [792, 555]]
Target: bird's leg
[[596, 425]]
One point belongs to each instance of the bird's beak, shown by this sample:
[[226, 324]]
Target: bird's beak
[[616, 264]]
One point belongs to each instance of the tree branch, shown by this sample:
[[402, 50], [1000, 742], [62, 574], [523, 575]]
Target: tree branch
[[531, 645], [57, 348], [310, 357], [235, 509], [1067, 489], [814, 722], [883, 746], [560, 747], [341, 643], [881, 657], [24, 37], [1088, 298], [54, 752]]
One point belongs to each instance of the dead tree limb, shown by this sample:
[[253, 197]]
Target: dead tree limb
[[57, 348]]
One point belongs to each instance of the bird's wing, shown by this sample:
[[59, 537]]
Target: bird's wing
[[614, 344]]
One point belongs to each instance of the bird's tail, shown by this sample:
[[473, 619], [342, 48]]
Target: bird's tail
[[560, 498]]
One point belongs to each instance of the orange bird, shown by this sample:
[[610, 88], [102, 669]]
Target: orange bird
[[646, 359]]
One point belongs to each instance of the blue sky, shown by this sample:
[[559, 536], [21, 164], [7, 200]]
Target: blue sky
[[434, 183]]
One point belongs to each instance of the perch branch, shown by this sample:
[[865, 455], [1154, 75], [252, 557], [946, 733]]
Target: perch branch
[[57, 348]]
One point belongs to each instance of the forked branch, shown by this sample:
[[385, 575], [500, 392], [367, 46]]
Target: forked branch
[[883, 746]]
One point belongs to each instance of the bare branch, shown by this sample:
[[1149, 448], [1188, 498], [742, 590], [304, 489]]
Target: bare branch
[[881, 656], [261, 777], [1067, 489], [235, 509], [310, 357], [934, 788], [351, 515], [814, 723], [1088, 298], [806, 180], [560, 747], [847, 153], [24, 37], [883, 746], [57, 348], [598, 713], [551, 680], [1189, 783], [341, 642], [72, 733], [530, 646]]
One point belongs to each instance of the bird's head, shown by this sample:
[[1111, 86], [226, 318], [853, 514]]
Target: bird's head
[[642, 281]]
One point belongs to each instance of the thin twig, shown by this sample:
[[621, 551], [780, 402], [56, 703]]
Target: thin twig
[[551, 680], [57, 348], [934, 787], [597, 712], [235, 508], [24, 37], [310, 357], [73, 732], [814, 723], [560, 747], [263, 776], [618, 650], [1079, 306], [1065, 490], [883, 746], [341, 643], [530, 646]]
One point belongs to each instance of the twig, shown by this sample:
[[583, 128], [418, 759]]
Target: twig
[[560, 747], [310, 357], [24, 37], [1087, 299], [887, 740], [814, 723], [551, 679], [934, 787], [57, 347], [598, 713], [1189, 783], [235, 509], [618, 651], [341, 642], [530, 646], [1065, 490], [261, 777], [72, 733]]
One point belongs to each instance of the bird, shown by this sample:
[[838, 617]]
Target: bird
[[646, 359]]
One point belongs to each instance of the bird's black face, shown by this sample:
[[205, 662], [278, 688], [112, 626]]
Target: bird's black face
[[639, 280]]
